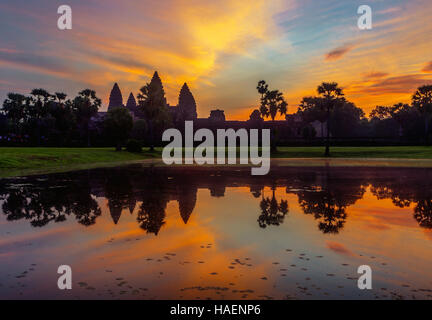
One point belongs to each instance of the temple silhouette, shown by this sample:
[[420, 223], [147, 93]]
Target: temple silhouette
[[186, 109]]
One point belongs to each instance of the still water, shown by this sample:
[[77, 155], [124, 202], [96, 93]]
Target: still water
[[201, 232]]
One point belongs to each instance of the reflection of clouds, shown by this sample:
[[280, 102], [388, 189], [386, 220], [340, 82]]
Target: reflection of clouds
[[339, 248], [428, 233], [377, 226], [229, 224]]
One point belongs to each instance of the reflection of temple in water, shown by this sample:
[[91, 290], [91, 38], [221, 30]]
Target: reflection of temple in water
[[324, 193]]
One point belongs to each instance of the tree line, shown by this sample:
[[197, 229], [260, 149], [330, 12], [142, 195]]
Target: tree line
[[339, 117], [45, 119]]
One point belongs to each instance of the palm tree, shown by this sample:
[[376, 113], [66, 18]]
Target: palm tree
[[332, 94], [422, 100], [272, 102]]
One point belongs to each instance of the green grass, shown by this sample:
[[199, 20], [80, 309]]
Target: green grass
[[20, 161], [17, 161], [417, 152]]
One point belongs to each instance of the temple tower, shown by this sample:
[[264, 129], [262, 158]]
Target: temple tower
[[131, 104], [115, 99], [186, 105]]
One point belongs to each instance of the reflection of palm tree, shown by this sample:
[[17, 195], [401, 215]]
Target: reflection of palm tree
[[256, 190], [272, 212], [330, 214], [328, 199], [423, 213]]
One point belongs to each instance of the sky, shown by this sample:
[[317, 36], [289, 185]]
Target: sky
[[220, 48]]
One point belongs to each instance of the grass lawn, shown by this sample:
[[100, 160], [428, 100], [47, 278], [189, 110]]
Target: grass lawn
[[19, 161], [418, 152]]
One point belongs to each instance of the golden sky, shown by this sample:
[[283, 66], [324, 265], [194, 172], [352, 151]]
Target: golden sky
[[220, 48]]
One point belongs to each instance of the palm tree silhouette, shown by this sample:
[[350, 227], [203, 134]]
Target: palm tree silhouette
[[332, 96], [272, 211], [272, 102]]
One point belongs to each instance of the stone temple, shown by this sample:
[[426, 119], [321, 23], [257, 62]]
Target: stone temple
[[115, 99], [186, 110]]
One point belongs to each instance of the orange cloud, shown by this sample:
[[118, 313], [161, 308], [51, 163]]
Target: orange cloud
[[428, 67], [338, 53], [375, 75], [398, 84]]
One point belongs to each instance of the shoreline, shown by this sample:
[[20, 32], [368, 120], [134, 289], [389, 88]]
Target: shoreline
[[278, 162], [15, 162]]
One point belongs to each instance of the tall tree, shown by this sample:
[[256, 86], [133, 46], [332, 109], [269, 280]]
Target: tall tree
[[350, 120], [86, 106], [422, 100], [65, 122], [409, 120], [117, 124], [272, 101], [310, 110], [38, 108], [332, 95], [14, 108], [153, 104]]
